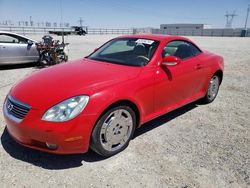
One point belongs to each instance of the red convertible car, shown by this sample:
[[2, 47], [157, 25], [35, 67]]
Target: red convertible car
[[99, 100]]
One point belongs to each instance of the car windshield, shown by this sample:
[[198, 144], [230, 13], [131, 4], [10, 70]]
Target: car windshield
[[126, 51]]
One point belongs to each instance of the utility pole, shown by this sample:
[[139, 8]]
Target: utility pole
[[80, 21], [31, 21], [230, 17], [248, 8], [62, 21], [244, 31]]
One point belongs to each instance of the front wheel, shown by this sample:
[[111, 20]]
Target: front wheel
[[212, 90], [113, 131]]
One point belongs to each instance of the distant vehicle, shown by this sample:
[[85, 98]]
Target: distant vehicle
[[100, 100], [78, 30], [15, 49]]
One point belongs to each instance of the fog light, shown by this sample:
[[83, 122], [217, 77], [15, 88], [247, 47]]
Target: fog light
[[51, 146], [73, 139]]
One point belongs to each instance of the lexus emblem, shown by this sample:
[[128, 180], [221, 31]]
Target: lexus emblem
[[10, 107]]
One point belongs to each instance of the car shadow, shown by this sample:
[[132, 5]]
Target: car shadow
[[22, 66], [43, 159], [16, 66], [164, 119], [58, 162]]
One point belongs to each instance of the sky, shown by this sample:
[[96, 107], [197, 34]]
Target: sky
[[126, 13]]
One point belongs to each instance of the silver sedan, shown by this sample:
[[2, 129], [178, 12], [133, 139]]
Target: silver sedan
[[15, 49]]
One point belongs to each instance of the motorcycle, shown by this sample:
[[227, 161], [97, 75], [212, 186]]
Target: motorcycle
[[51, 51]]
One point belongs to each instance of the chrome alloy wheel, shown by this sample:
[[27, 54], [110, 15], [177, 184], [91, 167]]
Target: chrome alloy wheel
[[116, 130], [213, 87]]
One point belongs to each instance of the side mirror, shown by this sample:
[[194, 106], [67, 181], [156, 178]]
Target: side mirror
[[169, 61], [30, 42]]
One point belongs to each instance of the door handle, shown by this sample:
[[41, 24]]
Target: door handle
[[198, 66], [1, 46]]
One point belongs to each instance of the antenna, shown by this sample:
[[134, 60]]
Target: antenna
[[230, 17]]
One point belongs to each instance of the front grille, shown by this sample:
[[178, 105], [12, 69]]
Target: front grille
[[16, 108]]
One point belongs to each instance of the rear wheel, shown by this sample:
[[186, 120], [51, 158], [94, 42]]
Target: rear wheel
[[113, 131], [212, 90], [44, 62]]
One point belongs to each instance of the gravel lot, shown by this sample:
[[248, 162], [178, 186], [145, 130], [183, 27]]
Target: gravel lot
[[195, 146]]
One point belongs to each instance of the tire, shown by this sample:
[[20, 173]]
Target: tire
[[113, 131], [213, 89], [66, 58], [44, 62]]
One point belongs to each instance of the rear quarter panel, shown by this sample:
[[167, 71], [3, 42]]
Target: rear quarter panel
[[211, 63]]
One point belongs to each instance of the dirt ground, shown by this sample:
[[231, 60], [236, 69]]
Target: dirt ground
[[195, 146]]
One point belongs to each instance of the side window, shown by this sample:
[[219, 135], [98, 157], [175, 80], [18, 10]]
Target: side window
[[181, 49], [196, 51], [12, 39], [8, 39], [171, 48], [22, 40]]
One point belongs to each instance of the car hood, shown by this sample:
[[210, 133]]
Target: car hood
[[47, 87]]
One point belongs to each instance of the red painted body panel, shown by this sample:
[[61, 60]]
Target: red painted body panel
[[54, 84], [34, 133], [153, 89]]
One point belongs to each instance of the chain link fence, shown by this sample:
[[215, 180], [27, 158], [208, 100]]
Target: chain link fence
[[45, 30]]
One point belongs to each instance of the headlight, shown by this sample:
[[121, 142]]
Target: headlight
[[67, 109]]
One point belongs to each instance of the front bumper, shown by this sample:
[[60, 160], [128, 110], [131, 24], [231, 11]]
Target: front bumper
[[69, 137]]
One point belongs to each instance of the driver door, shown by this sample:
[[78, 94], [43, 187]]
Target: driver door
[[176, 85], [11, 51]]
